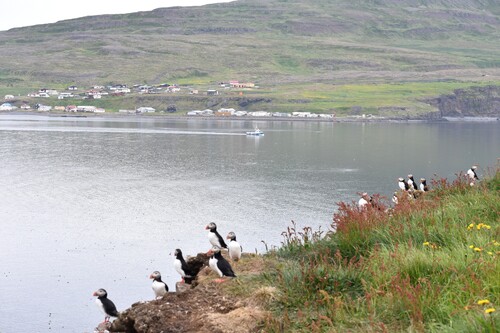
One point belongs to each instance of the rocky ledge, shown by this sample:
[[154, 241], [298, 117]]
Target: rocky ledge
[[203, 306]]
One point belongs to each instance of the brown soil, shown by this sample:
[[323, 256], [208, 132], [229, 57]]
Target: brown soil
[[205, 306]]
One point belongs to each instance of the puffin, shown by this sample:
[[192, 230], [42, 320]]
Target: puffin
[[423, 185], [234, 247], [472, 173], [411, 182], [214, 237], [105, 304], [218, 264], [403, 185], [182, 267], [159, 287], [364, 200], [395, 199]]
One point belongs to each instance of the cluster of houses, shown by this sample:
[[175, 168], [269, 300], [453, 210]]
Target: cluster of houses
[[233, 113], [97, 92]]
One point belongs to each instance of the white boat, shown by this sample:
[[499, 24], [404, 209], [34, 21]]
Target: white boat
[[256, 132]]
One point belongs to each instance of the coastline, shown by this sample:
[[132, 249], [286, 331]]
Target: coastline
[[346, 119]]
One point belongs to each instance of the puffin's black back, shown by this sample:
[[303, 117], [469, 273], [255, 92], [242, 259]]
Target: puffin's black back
[[221, 240], [109, 306], [223, 265]]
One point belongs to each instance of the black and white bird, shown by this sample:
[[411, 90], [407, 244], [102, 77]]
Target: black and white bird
[[403, 185], [411, 183], [364, 200], [234, 247], [105, 304], [472, 173], [214, 237], [423, 185], [218, 264], [395, 199], [159, 287], [182, 267]]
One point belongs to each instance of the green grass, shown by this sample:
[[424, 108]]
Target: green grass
[[420, 267]]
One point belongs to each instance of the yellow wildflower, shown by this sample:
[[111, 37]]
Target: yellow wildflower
[[490, 253], [483, 301], [477, 249], [489, 310], [426, 243], [471, 246], [487, 227]]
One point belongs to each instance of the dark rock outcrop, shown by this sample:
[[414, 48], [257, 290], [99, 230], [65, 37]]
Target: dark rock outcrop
[[471, 102]]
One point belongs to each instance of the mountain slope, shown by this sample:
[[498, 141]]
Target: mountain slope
[[281, 45]]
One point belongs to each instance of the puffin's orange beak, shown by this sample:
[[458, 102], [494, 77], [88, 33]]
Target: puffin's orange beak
[[95, 293]]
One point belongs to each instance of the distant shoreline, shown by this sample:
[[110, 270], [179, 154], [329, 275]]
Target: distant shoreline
[[347, 119]]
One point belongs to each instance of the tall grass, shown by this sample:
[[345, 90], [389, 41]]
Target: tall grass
[[429, 264]]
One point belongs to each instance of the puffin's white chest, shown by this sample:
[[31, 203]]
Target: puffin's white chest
[[234, 250], [402, 186], [159, 288], [100, 305], [178, 267], [213, 239], [213, 265]]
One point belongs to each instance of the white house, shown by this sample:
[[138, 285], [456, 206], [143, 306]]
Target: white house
[[240, 113], [195, 113], [6, 107], [260, 114], [64, 95], [145, 109], [9, 97], [85, 108], [44, 107]]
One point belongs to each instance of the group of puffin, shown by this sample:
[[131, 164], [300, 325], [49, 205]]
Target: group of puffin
[[410, 186], [216, 262]]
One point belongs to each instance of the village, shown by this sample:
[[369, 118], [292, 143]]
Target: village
[[41, 100]]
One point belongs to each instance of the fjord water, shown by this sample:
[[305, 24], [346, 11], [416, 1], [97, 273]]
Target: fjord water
[[90, 203]]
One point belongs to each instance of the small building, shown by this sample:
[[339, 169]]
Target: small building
[[195, 113], [45, 108], [260, 114], [72, 88], [281, 114], [85, 108], [6, 107], [240, 113], [25, 106], [145, 109], [212, 92], [64, 95], [225, 112], [9, 97], [193, 92], [71, 108], [207, 112], [59, 108], [48, 91]]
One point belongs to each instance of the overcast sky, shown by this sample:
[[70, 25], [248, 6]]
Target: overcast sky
[[21, 13]]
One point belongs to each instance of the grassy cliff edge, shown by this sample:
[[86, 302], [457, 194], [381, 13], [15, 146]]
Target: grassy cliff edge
[[428, 264]]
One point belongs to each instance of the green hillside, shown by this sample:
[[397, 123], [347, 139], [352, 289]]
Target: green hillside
[[293, 50]]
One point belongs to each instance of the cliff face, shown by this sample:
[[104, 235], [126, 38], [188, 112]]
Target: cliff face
[[473, 102]]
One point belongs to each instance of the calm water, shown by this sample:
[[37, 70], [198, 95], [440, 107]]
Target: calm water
[[89, 203]]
